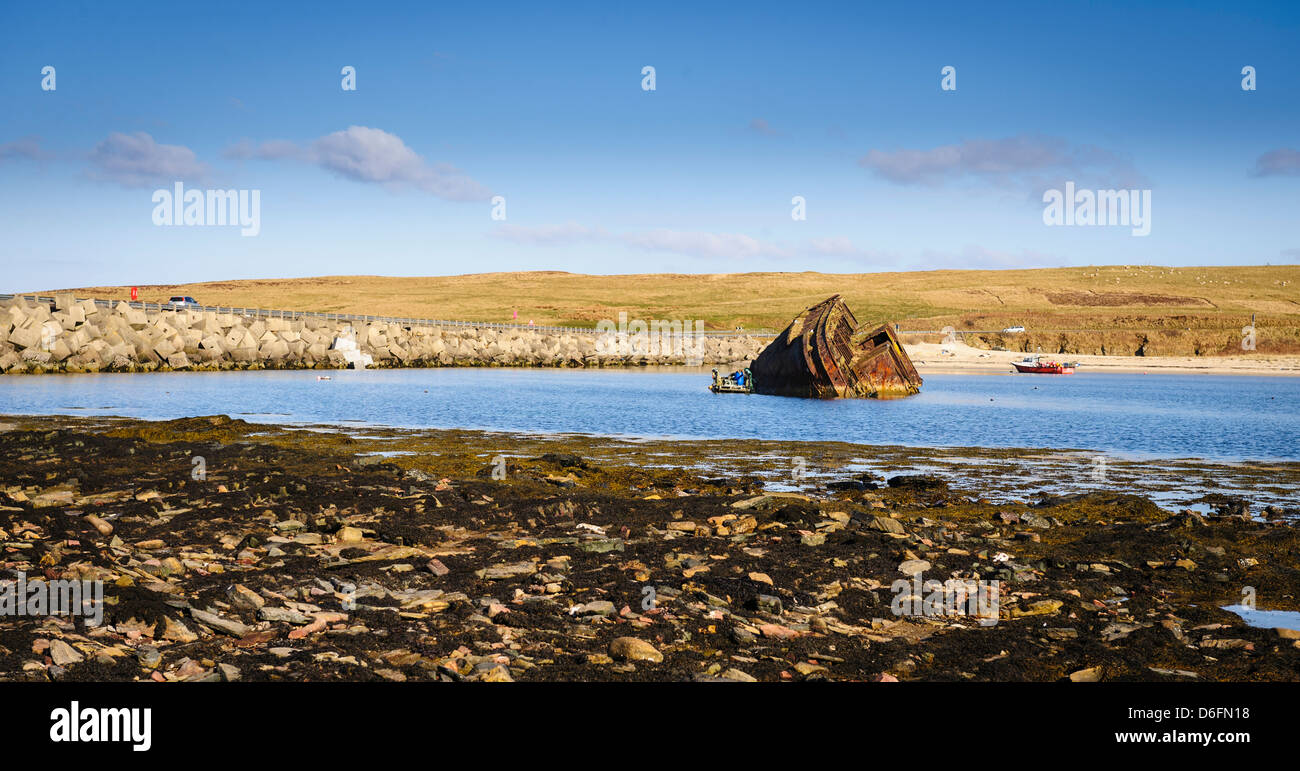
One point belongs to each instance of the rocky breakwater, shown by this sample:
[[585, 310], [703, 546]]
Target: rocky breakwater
[[82, 336]]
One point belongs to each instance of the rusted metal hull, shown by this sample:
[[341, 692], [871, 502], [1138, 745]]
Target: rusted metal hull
[[823, 354]]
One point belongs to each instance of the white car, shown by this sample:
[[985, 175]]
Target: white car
[[1013, 330], [183, 303]]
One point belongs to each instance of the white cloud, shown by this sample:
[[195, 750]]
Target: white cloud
[[704, 244], [1281, 162], [550, 235], [737, 246], [27, 148], [1018, 160], [685, 242], [369, 155], [136, 160]]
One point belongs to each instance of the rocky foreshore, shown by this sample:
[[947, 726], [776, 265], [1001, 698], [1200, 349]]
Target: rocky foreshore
[[82, 336], [232, 551]]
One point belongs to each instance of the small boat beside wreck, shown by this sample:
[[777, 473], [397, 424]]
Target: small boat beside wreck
[[738, 382], [825, 354]]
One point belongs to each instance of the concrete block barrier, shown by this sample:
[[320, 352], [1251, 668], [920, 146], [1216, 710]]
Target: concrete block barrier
[[71, 335]]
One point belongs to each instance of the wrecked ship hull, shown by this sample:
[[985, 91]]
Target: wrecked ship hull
[[823, 354]]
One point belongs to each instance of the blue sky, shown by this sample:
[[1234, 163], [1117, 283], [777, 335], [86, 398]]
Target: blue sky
[[753, 105]]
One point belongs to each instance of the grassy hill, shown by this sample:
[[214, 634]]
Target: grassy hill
[[1177, 310]]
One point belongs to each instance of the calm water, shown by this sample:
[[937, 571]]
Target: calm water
[[1198, 416]]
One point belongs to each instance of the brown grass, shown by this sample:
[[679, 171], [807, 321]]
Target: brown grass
[[1208, 303]]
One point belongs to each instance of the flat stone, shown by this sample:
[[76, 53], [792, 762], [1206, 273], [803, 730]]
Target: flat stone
[[64, 654], [633, 649], [596, 608], [243, 598], [912, 567], [176, 631], [601, 545], [283, 615], [220, 624], [1089, 675], [886, 525], [514, 570], [1039, 608]]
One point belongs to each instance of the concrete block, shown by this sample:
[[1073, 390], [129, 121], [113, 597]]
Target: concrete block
[[234, 337], [78, 339], [274, 350], [60, 350], [50, 331], [163, 348]]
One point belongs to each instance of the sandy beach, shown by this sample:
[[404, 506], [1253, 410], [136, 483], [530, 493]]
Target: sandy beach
[[961, 358]]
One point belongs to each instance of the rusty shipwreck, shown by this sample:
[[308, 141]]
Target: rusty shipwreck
[[823, 354]]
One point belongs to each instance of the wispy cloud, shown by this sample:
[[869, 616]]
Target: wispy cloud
[[1283, 162], [26, 148], [136, 160], [1011, 161], [561, 234], [761, 126], [974, 257], [704, 244], [690, 243], [369, 155]]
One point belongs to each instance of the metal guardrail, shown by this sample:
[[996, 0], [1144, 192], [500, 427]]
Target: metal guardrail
[[350, 317]]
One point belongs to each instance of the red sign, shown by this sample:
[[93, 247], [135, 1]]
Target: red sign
[[135, 295]]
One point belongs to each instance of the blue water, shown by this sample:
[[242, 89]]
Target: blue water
[[1192, 416]]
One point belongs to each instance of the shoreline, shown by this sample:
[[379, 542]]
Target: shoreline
[[961, 359], [460, 556], [9, 421]]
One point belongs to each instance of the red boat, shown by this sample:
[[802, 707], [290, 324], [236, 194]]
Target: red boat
[[1041, 366]]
